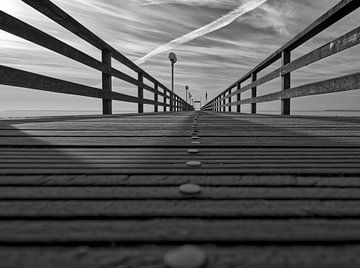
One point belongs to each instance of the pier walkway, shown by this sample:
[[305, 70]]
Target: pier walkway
[[120, 191], [276, 191]]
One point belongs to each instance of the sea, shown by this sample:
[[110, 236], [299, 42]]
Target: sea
[[10, 114]]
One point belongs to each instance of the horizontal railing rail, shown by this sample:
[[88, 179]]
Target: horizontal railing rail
[[350, 82], [15, 77]]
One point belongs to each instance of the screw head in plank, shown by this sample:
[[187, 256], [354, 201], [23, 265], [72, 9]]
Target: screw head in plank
[[185, 257], [194, 163], [190, 188]]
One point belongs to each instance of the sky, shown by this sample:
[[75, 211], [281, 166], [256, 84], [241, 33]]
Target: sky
[[216, 42]]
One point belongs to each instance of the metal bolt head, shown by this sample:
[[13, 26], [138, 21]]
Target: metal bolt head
[[194, 163], [185, 257], [190, 189]]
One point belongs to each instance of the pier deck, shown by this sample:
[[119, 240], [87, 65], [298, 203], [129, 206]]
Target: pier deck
[[103, 191]]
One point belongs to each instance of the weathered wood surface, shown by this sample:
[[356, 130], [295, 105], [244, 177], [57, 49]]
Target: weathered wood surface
[[103, 191], [172, 193], [140, 209], [152, 256]]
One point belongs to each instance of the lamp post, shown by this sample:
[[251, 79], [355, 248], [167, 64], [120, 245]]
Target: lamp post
[[173, 60], [186, 95]]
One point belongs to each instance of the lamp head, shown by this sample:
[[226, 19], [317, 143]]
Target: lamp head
[[172, 58]]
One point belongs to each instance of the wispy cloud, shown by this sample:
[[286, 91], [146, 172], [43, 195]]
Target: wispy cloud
[[207, 3], [211, 27]]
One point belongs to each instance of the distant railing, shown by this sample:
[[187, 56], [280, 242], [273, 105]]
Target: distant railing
[[344, 83], [15, 77]]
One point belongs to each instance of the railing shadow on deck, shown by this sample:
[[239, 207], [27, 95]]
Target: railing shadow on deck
[[15, 77], [16, 137], [9, 146], [224, 101], [22, 170]]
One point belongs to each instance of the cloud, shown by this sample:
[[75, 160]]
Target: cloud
[[207, 3], [211, 27], [276, 16]]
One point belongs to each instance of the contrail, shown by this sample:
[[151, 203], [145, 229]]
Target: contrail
[[211, 27]]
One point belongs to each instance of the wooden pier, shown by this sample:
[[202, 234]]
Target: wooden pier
[[116, 191], [104, 191]]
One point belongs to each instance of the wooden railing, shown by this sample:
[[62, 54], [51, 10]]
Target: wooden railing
[[15, 77], [350, 82]]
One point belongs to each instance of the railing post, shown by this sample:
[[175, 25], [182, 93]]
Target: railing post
[[171, 102], [253, 93], [285, 82], [156, 96], [224, 103], [230, 100], [140, 93], [106, 82], [238, 107]]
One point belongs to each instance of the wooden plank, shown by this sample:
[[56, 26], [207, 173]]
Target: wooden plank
[[168, 170], [173, 150], [148, 165], [108, 158], [163, 161], [274, 256], [298, 231], [172, 193], [316, 142], [344, 83], [176, 180], [206, 130], [179, 133], [15, 77], [12, 156], [146, 209]]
